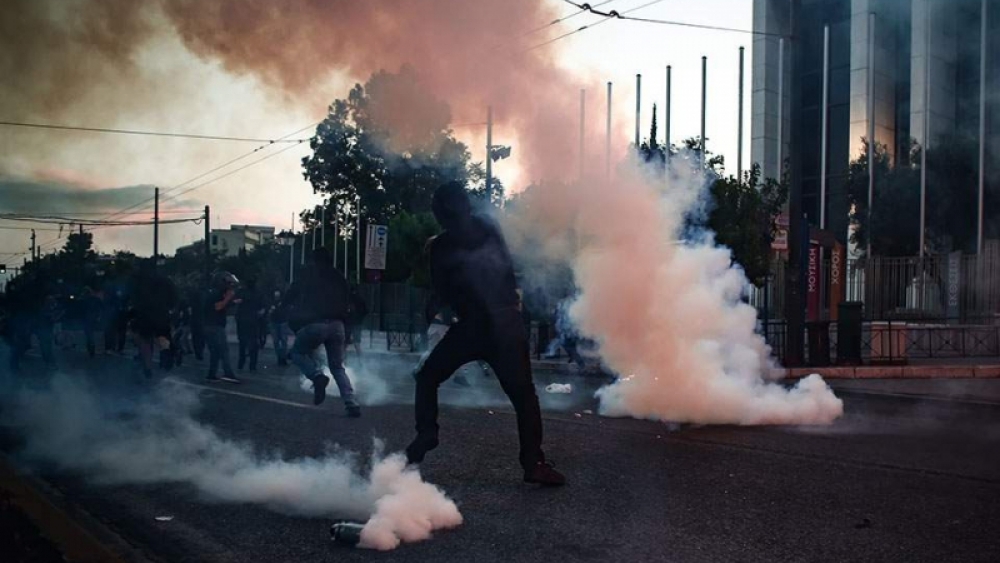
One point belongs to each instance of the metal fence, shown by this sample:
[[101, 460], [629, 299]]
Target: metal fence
[[896, 342], [960, 288]]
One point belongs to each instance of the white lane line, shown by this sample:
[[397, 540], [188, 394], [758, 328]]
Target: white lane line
[[241, 394]]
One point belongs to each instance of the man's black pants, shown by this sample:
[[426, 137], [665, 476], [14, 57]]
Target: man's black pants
[[501, 341]]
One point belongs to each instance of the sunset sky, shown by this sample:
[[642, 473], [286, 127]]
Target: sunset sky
[[185, 77]]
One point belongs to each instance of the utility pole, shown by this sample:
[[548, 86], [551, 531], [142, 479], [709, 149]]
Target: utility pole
[[824, 127], [871, 137], [739, 126], [704, 109], [208, 245], [666, 117], [583, 118], [156, 226], [489, 149], [607, 140], [798, 229], [322, 225], [982, 126], [638, 106], [357, 245]]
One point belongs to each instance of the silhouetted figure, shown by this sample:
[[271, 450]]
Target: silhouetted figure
[[153, 299], [471, 271], [279, 329], [318, 306], [215, 306], [248, 316]]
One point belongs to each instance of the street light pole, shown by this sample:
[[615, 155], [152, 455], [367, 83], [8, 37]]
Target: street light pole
[[489, 149]]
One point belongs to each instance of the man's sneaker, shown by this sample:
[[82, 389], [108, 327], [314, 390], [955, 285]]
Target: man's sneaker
[[544, 474], [319, 388], [213, 379], [419, 447], [354, 411], [230, 379]]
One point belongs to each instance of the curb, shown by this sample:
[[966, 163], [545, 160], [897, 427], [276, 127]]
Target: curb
[[991, 371], [79, 537]]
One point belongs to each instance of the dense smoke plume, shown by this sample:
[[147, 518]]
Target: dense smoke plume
[[667, 315], [156, 439], [470, 54]]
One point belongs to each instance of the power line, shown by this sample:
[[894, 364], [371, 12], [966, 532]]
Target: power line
[[608, 16], [622, 16], [564, 18], [231, 172], [147, 201], [143, 133], [57, 220]]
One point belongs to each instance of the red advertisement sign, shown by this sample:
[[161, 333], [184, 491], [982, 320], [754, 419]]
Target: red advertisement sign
[[812, 283], [838, 278]]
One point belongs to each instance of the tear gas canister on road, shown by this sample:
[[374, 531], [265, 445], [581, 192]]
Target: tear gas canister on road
[[346, 533]]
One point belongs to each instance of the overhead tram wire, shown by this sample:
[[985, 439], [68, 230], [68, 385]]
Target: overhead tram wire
[[608, 16], [564, 18], [202, 175], [149, 200], [623, 16], [231, 172], [143, 133]]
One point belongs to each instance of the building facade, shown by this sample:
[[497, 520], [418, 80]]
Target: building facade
[[237, 238], [904, 33]]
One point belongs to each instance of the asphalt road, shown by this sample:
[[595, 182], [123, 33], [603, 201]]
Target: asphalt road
[[896, 479]]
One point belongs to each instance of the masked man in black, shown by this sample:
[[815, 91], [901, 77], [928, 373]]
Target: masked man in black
[[472, 272]]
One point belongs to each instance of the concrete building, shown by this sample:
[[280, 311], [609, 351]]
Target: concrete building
[[229, 242], [904, 31]]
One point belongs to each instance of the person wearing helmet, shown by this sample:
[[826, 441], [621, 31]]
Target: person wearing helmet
[[472, 272], [220, 297]]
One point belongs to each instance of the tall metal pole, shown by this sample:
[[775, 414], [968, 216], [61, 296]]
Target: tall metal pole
[[781, 108], [927, 126], [336, 229], [666, 115], [638, 106], [982, 126], [489, 148], [357, 245], [302, 256], [583, 119], [739, 126], [704, 109], [607, 140], [824, 124], [156, 225], [322, 225], [314, 237], [33, 257], [208, 244], [346, 263], [871, 133]]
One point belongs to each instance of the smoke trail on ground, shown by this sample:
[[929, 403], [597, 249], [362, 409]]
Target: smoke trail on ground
[[668, 316], [156, 439]]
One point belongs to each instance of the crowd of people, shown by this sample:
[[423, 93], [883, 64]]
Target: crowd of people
[[145, 309], [476, 314]]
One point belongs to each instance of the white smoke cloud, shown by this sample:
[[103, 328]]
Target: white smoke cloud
[[667, 314], [157, 439]]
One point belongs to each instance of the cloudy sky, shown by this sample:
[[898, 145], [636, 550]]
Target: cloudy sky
[[217, 68]]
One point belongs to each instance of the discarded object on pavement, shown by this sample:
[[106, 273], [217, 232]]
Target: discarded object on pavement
[[346, 533], [559, 388], [164, 518]]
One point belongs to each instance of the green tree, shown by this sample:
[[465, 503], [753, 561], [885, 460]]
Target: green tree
[[384, 149], [742, 216], [406, 258], [950, 205]]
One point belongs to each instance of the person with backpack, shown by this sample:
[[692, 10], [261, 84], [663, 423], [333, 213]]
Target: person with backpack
[[317, 308]]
